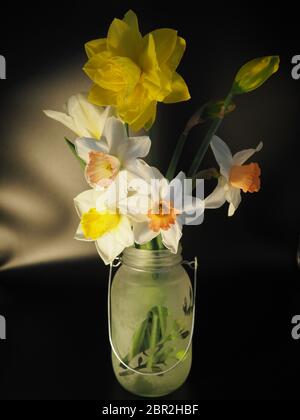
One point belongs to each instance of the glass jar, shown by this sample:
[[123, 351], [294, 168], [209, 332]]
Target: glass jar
[[151, 322]]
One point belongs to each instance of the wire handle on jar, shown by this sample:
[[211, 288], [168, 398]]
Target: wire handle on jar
[[116, 263]]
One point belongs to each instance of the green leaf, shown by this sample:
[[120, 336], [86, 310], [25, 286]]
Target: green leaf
[[139, 340], [73, 150]]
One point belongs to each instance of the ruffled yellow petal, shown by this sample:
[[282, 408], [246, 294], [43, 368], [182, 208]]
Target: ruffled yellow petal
[[119, 74], [177, 54], [102, 97], [165, 42], [155, 80], [95, 46], [166, 80], [148, 60], [123, 41], [146, 118], [180, 91], [131, 19], [152, 111], [137, 109], [96, 61]]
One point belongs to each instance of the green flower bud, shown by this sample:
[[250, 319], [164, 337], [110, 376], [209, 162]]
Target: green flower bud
[[254, 73]]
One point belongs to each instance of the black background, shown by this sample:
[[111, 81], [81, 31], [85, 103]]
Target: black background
[[57, 345]]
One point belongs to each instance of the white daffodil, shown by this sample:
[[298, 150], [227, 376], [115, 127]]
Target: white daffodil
[[101, 221], [82, 117], [235, 176], [164, 211], [116, 151]]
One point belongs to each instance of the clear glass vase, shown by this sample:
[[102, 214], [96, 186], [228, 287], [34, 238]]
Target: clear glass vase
[[151, 322]]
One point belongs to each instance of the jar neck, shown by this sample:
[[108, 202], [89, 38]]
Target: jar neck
[[151, 259]]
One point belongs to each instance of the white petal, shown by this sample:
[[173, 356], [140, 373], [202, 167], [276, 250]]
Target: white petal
[[222, 154], [88, 119], [85, 201], [137, 207], [112, 195], [171, 237], [142, 233], [85, 145], [138, 169], [163, 188], [138, 217], [108, 248], [103, 114], [217, 198], [176, 190], [115, 134], [110, 245], [156, 173], [82, 117], [241, 157], [134, 147], [234, 198], [124, 233], [180, 177], [67, 121]]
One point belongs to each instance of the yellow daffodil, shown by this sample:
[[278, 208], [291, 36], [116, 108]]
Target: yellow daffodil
[[102, 223], [133, 72]]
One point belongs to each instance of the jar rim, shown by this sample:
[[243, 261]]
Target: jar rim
[[151, 259]]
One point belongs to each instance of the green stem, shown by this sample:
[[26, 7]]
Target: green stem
[[207, 139], [148, 246], [195, 119], [154, 245], [162, 320], [159, 243], [176, 155], [153, 340]]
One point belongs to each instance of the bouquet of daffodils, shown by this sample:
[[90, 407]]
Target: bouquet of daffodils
[[130, 203]]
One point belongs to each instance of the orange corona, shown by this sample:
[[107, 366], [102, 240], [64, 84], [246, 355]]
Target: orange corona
[[246, 177], [164, 218]]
